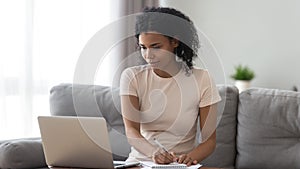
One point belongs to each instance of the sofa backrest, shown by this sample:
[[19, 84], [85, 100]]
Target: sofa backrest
[[225, 152], [268, 130], [89, 100]]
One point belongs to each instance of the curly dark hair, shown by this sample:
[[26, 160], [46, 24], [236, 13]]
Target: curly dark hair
[[172, 24]]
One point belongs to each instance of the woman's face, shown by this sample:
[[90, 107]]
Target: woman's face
[[157, 49]]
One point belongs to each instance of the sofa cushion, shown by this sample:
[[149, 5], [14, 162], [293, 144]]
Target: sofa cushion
[[22, 153], [268, 129], [94, 101], [225, 152]]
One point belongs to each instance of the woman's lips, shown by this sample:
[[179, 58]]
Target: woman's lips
[[153, 63]]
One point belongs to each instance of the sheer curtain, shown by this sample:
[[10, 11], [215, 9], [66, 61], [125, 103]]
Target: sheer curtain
[[39, 46]]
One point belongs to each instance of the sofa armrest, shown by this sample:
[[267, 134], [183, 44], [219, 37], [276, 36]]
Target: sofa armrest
[[22, 153]]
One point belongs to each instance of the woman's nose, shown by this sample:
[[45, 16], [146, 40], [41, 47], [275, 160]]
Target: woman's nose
[[148, 54]]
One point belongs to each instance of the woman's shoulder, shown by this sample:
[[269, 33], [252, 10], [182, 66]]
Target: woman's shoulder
[[199, 71], [202, 74]]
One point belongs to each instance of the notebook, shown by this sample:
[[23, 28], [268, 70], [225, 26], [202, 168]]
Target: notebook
[[79, 142], [150, 164]]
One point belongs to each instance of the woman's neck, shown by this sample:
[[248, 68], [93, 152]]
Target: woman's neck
[[169, 71]]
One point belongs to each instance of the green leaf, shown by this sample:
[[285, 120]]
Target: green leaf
[[243, 73]]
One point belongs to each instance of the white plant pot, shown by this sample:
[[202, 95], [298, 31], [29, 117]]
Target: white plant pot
[[242, 85]]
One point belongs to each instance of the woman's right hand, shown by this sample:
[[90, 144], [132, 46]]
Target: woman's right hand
[[163, 157]]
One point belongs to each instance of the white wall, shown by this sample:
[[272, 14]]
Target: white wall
[[263, 34]]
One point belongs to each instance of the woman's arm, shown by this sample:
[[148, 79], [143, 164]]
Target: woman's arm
[[131, 117], [208, 123]]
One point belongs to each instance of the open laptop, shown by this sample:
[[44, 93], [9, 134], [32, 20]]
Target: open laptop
[[80, 142]]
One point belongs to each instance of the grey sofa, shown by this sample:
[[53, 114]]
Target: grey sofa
[[257, 129]]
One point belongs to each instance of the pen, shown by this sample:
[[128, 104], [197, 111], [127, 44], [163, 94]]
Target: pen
[[160, 145]]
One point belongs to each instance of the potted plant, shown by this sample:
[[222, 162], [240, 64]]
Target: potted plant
[[242, 76]]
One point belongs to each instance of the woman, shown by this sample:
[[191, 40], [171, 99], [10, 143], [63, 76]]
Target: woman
[[165, 99]]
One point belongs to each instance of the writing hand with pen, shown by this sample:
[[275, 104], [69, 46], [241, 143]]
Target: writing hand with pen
[[163, 156]]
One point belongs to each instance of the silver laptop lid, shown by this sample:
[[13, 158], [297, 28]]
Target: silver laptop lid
[[75, 141]]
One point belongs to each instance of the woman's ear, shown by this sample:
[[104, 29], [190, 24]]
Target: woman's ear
[[175, 42]]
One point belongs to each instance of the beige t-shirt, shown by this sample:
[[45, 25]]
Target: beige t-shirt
[[169, 107]]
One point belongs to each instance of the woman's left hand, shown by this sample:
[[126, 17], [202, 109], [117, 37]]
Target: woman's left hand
[[186, 159]]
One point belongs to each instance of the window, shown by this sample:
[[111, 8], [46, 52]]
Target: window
[[40, 43]]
